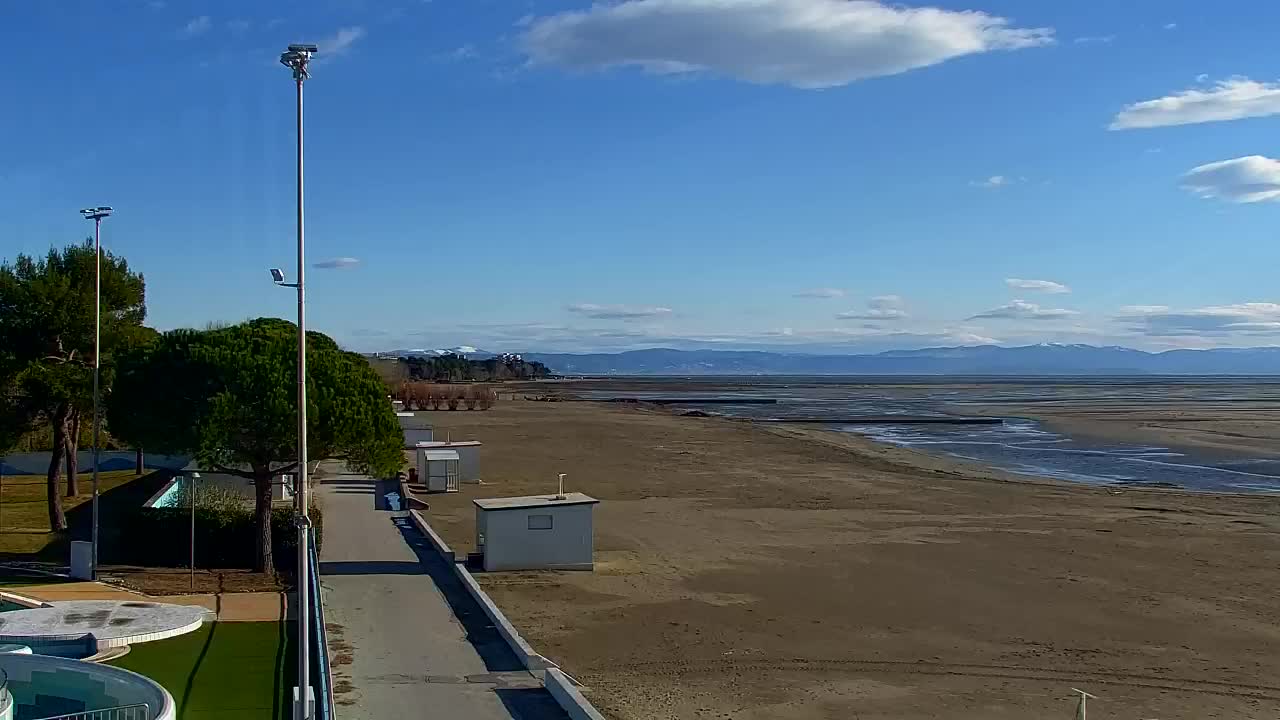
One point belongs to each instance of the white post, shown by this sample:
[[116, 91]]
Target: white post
[[303, 567], [192, 479], [560, 491], [97, 364], [1081, 709]]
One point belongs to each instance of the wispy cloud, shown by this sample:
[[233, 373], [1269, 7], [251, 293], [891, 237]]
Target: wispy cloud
[[338, 263], [822, 293], [1046, 286], [340, 42], [1095, 40], [993, 182], [1023, 310], [1252, 318], [1231, 99], [1249, 179], [617, 312], [802, 43], [881, 307], [238, 27], [197, 26]]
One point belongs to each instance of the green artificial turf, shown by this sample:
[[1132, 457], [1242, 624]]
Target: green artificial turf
[[229, 669]]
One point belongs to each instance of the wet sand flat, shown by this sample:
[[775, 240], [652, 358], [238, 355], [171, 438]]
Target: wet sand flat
[[751, 571]]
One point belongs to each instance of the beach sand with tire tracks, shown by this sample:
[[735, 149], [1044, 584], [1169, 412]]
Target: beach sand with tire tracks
[[750, 571]]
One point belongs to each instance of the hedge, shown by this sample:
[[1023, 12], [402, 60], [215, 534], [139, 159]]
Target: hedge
[[225, 538]]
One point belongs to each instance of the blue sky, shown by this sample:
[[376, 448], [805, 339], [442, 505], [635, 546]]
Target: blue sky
[[797, 174]]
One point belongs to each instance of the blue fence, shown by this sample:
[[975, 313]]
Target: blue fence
[[321, 676]]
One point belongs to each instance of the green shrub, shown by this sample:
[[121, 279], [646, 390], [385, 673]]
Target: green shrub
[[224, 536]]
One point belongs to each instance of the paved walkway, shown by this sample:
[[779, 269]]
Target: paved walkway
[[406, 638], [231, 607]]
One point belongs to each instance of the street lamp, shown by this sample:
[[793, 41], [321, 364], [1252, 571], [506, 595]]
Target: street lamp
[[96, 214], [297, 58]]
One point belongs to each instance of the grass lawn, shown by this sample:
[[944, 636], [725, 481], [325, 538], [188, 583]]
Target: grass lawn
[[24, 513], [223, 670]]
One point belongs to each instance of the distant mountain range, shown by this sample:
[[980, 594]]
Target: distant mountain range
[[1043, 359]]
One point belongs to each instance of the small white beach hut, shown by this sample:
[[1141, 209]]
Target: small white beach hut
[[468, 457], [536, 532], [438, 470]]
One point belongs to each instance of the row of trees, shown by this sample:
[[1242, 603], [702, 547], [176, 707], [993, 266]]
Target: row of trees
[[434, 396], [456, 368], [225, 395]]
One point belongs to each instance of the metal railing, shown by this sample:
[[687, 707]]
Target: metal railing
[[320, 660], [141, 711]]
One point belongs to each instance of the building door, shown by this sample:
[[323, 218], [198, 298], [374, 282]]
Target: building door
[[451, 476]]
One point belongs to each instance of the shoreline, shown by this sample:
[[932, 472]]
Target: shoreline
[[909, 459], [763, 571]]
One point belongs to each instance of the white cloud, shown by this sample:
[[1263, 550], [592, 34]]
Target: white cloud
[[618, 312], [338, 263], [802, 43], [995, 181], [1252, 318], [1231, 99], [341, 41], [1023, 310], [824, 293], [197, 25], [881, 307], [1095, 40], [1202, 78], [238, 27], [1170, 26], [1046, 286], [1249, 179]]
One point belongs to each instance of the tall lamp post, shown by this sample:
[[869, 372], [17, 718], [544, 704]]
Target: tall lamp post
[[96, 215], [297, 58]]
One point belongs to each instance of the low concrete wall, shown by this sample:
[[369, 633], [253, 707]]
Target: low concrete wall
[[408, 500], [37, 463], [568, 696], [437, 542], [532, 661]]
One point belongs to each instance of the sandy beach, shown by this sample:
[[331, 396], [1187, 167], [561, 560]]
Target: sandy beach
[[748, 571]]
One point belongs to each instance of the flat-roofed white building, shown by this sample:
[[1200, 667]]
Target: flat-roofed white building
[[438, 470], [536, 532], [468, 457]]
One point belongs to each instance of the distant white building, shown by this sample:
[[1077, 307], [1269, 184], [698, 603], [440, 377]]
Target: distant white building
[[438, 470], [468, 456], [537, 532]]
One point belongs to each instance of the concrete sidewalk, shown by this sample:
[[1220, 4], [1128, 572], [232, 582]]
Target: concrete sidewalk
[[406, 639], [230, 607]]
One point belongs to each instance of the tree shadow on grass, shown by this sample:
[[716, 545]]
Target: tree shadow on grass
[[114, 507]]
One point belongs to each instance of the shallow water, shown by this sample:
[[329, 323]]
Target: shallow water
[[1019, 445], [1026, 447]]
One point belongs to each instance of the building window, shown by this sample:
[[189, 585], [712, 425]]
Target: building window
[[540, 522]]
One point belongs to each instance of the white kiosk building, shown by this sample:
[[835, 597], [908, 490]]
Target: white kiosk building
[[438, 470], [537, 532], [468, 456]]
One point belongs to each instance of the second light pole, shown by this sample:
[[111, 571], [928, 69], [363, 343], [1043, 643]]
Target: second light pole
[[297, 58], [96, 215]]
